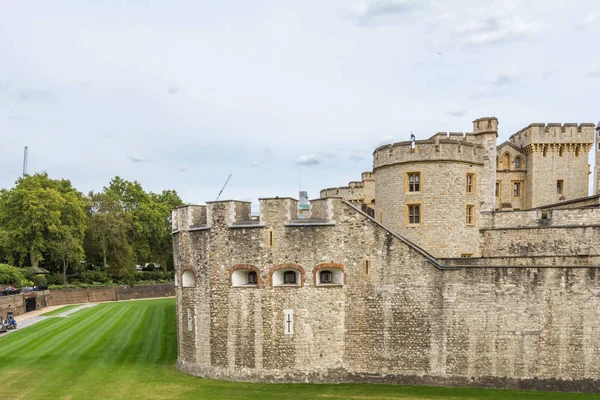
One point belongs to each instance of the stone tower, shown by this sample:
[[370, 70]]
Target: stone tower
[[485, 131]]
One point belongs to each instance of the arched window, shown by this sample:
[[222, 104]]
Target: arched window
[[329, 274], [188, 279], [506, 161], [289, 278], [287, 275], [326, 276], [518, 162], [245, 275]]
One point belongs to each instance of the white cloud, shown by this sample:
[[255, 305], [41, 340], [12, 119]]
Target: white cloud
[[377, 10], [138, 159], [173, 89], [461, 112], [496, 29], [18, 118], [589, 20], [594, 73], [310, 160]]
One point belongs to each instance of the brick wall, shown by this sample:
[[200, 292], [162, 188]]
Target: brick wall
[[108, 293]]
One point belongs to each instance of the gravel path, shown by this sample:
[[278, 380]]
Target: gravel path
[[37, 318]]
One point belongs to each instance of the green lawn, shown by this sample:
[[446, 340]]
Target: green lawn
[[128, 350], [60, 310]]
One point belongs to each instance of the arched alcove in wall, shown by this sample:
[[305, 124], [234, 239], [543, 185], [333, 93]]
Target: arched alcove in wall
[[506, 161], [188, 279]]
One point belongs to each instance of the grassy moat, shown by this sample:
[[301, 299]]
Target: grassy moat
[[128, 351]]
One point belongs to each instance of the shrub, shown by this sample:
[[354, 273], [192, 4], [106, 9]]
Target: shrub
[[40, 280], [10, 275]]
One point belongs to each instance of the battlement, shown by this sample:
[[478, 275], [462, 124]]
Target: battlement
[[367, 176], [441, 147], [554, 133], [233, 214], [485, 125], [353, 191]]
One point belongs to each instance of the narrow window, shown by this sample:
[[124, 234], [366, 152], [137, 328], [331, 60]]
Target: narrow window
[[497, 188], [560, 184], [288, 321], [414, 214], [518, 163], [470, 182], [366, 267], [380, 217], [326, 277], [289, 278], [270, 238], [545, 151], [470, 214], [577, 151], [560, 151], [414, 182], [190, 319], [517, 189], [252, 278]]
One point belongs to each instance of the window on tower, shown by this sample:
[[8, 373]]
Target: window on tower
[[560, 186], [516, 189], [414, 182]]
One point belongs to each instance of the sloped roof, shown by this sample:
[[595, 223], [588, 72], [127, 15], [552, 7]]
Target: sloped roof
[[507, 143]]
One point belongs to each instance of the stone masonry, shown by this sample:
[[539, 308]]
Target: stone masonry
[[454, 281]]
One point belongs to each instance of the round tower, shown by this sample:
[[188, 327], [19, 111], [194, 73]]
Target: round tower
[[432, 191]]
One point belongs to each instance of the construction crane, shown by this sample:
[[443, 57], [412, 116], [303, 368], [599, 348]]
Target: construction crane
[[228, 178], [25, 154]]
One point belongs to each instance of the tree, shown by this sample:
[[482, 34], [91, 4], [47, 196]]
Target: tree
[[150, 234], [107, 237], [36, 213], [10, 275]]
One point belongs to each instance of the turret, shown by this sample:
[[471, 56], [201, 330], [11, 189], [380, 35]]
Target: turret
[[485, 131]]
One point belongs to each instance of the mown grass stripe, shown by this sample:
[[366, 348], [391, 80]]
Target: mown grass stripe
[[127, 351]]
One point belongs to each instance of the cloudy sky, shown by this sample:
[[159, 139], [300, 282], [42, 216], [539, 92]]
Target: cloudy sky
[[179, 94]]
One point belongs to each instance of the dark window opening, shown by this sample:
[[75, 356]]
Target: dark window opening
[[414, 214], [326, 277], [252, 278], [289, 278], [559, 186]]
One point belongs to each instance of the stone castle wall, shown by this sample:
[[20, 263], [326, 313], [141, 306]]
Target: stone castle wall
[[406, 319]]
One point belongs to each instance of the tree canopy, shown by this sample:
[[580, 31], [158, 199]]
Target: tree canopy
[[48, 222]]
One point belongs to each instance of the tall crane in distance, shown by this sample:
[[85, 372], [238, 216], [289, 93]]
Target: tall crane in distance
[[25, 156], [219, 195]]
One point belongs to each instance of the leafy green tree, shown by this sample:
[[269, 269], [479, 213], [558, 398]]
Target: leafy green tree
[[10, 275], [35, 216], [107, 237], [150, 234]]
